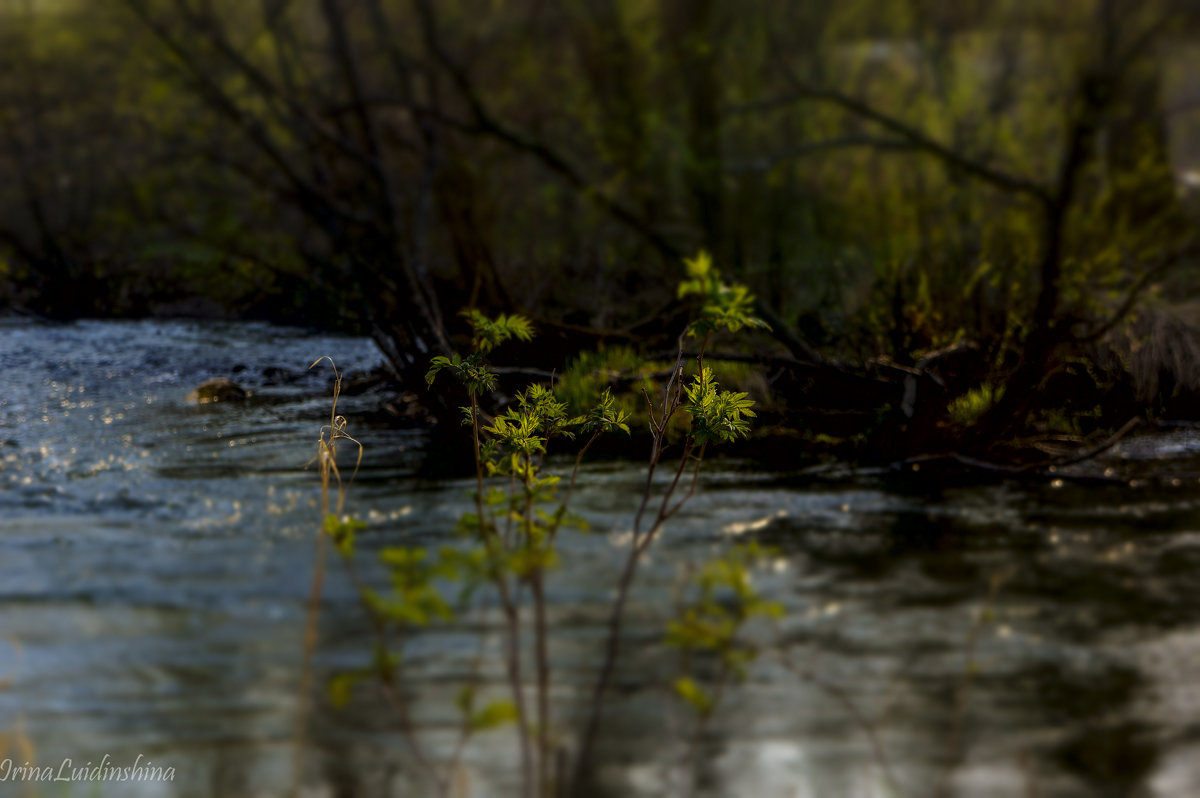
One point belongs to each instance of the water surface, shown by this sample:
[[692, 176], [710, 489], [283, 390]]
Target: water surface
[[156, 556]]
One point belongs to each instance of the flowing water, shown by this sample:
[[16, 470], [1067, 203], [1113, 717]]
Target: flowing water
[[156, 557]]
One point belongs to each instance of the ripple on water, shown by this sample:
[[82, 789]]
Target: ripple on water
[[155, 560]]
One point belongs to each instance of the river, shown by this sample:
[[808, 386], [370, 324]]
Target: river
[[156, 556]]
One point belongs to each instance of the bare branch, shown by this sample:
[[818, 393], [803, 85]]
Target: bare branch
[[485, 122], [1135, 292], [915, 138], [768, 162]]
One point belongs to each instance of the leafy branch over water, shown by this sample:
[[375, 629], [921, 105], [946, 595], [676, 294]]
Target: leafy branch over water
[[508, 543]]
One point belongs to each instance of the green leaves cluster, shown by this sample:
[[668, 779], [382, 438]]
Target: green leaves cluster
[[426, 586], [727, 306], [525, 429], [492, 715], [723, 601], [471, 371], [589, 373], [420, 581], [487, 333], [517, 525], [716, 415], [343, 532], [509, 538], [605, 417]]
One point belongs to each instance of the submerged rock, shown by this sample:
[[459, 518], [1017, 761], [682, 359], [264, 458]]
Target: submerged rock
[[219, 389]]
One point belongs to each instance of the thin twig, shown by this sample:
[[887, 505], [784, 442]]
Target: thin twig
[[639, 543], [842, 697], [509, 607]]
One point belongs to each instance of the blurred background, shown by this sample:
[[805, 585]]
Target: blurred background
[[890, 177]]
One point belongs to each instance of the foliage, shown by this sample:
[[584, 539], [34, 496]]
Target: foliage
[[906, 178], [491, 716], [723, 601], [590, 372], [486, 335], [716, 415], [490, 333], [970, 407], [606, 416], [508, 546], [726, 306]]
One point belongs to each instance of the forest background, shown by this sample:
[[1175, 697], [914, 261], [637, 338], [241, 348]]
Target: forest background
[[969, 225]]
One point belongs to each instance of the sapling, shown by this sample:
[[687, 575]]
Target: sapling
[[509, 539], [716, 415], [514, 526]]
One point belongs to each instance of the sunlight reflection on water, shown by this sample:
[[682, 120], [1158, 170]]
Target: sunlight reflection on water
[[154, 570]]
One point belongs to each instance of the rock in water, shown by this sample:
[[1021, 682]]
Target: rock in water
[[219, 389]]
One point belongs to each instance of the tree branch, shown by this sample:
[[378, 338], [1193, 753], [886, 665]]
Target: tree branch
[[915, 138], [768, 162], [1134, 293], [485, 122]]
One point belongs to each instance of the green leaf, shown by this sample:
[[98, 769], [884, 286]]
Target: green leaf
[[605, 416], [437, 364], [716, 415], [465, 700], [694, 695], [493, 716], [490, 333], [341, 687], [402, 557], [727, 305], [528, 561], [342, 531]]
